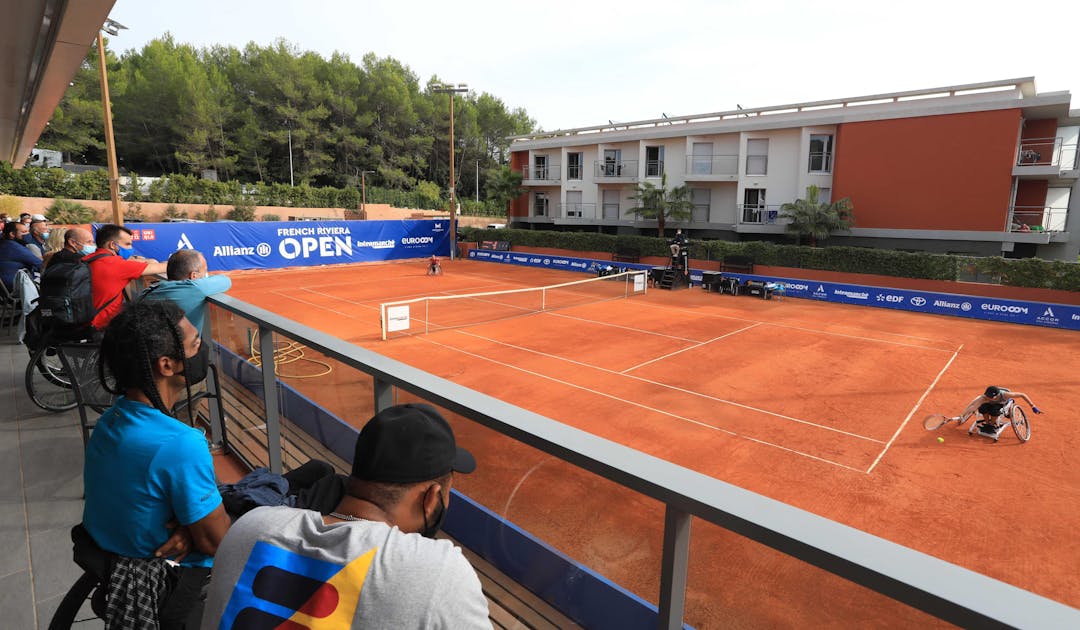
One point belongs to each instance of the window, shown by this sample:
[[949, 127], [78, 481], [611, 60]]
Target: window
[[821, 153], [753, 205], [573, 203], [701, 198], [540, 204], [824, 195], [701, 160], [573, 165], [540, 167], [611, 204], [654, 161], [612, 163], [757, 156]]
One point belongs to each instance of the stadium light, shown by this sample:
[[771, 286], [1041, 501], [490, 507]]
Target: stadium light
[[444, 88], [112, 27]]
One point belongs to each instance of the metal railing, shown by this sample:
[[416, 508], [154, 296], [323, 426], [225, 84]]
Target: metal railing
[[937, 587], [1048, 152], [760, 214], [654, 168], [1037, 219], [605, 169], [577, 210], [575, 171], [549, 173], [711, 165], [820, 162]]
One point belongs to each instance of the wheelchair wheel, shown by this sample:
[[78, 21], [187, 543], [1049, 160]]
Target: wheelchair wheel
[[46, 381], [1020, 424], [69, 607]]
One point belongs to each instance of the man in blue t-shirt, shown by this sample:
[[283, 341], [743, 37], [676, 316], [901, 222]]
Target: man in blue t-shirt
[[14, 255], [147, 473], [189, 283]]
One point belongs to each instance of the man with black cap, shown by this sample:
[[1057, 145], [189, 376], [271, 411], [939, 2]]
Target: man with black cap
[[991, 404], [373, 561]]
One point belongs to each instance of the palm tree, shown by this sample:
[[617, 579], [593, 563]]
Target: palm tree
[[815, 219], [503, 186], [659, 203]]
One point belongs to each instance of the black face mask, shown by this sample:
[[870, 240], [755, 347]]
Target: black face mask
[[197, 366], [437, 519]]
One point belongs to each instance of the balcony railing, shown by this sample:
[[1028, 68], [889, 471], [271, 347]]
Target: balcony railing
[[712, 165], [654, 168], [575, 171], [759, 214], [577, 210], [549, 173], [820, 162], [1038, 219], [1048, 152], [944, 590], [613, 169]]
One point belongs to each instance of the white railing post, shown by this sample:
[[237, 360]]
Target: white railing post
[[673, 567]]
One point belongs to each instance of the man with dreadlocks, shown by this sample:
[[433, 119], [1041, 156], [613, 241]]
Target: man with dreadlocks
[[147, 472]]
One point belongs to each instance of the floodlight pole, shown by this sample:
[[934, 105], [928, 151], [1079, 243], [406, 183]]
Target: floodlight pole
[[363, 193], [451, 90], [110, 143]]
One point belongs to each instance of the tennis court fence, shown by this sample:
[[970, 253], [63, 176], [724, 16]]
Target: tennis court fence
[[439, 312]]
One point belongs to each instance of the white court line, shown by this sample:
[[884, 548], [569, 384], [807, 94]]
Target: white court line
[[634, 404], [803, 328], [697, 345], [673, 388], [630, 328], [913, 409], [378, 301], [290, 296]]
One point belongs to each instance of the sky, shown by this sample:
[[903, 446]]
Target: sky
[[584, 62]]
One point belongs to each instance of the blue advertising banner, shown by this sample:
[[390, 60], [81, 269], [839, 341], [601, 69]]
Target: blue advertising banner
[[993, 309], [229, 246]]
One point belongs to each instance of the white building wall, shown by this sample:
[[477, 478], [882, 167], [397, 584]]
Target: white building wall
[[782, 177]]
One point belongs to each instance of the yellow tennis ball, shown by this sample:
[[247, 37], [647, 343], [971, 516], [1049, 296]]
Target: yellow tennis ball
[[941, 439]]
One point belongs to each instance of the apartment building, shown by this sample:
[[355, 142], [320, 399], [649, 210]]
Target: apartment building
[[984, 169]]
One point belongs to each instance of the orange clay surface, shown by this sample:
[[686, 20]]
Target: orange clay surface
[[813, 404]]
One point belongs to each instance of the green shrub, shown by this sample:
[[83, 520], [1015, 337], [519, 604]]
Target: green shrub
[[270, 217], [10, 206], [67, 212]]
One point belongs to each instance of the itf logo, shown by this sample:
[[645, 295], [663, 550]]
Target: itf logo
[[184, 242], [282, 589]]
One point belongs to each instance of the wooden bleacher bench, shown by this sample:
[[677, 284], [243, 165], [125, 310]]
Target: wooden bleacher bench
[[626, 254], [737, 264]]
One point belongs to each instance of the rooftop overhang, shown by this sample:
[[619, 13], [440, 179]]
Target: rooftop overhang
[[42, 43]]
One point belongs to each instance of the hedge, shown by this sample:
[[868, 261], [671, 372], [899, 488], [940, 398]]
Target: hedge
[[1022, 272]]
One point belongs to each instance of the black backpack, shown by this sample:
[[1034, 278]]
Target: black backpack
[[65, 297]]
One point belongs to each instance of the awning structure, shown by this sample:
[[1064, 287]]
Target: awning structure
[[42, 43]]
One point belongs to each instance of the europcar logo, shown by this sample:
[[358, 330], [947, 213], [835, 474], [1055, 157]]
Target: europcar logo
[[282, 589]]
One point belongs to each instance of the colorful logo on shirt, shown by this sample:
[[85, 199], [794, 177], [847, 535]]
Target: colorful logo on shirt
[[282, 589]]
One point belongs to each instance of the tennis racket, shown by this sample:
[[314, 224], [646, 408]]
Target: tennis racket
[[935, 421]]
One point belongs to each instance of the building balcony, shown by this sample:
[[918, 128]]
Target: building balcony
[[1040, 158], [577, 211], [541, 175], [1037, 219], [758, 214], [615, 170], [712, 168]]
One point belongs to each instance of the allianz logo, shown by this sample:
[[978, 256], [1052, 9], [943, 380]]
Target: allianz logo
[[963, 306], [1002, 308]]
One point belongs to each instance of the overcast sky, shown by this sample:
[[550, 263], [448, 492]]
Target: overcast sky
[[576, 63]]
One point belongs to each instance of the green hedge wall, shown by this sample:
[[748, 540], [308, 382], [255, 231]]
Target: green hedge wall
[[1024, 272]]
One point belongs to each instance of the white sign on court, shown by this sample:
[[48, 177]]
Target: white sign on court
[[397, 318]]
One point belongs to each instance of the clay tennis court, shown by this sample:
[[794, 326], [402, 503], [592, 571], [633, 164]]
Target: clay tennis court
[[814, 404]]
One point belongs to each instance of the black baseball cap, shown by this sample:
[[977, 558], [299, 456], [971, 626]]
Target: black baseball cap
[[992, 392], [408, 444]]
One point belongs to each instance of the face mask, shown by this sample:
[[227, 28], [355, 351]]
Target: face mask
[[197, 366], [437, 519], [126, 252], [45, 235], [88, 249]]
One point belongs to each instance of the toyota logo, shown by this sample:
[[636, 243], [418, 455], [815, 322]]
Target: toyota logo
[[918, 301]]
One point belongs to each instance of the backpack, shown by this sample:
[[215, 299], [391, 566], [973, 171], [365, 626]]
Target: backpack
[[65, 296]]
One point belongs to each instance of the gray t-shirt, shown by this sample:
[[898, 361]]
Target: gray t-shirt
[[280, 563]]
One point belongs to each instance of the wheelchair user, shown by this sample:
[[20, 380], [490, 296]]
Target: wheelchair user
[[434, 268], [991, 405]]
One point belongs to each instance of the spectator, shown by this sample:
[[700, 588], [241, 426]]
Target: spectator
[[14, 255], [109, 276], [4, 217], [24, 218], [377, 546], [188, 284], [146, 473], [55, 241], [38, 235], [78, 243]]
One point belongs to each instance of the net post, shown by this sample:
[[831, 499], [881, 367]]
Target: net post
[[382, 319]]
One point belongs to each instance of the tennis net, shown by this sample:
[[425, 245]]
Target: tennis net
[[438, 312]]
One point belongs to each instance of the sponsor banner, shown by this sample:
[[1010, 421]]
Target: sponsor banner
[[993, 309], [241, 245]]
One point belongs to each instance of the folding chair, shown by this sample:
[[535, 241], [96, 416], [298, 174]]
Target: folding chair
[[80, 361]]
